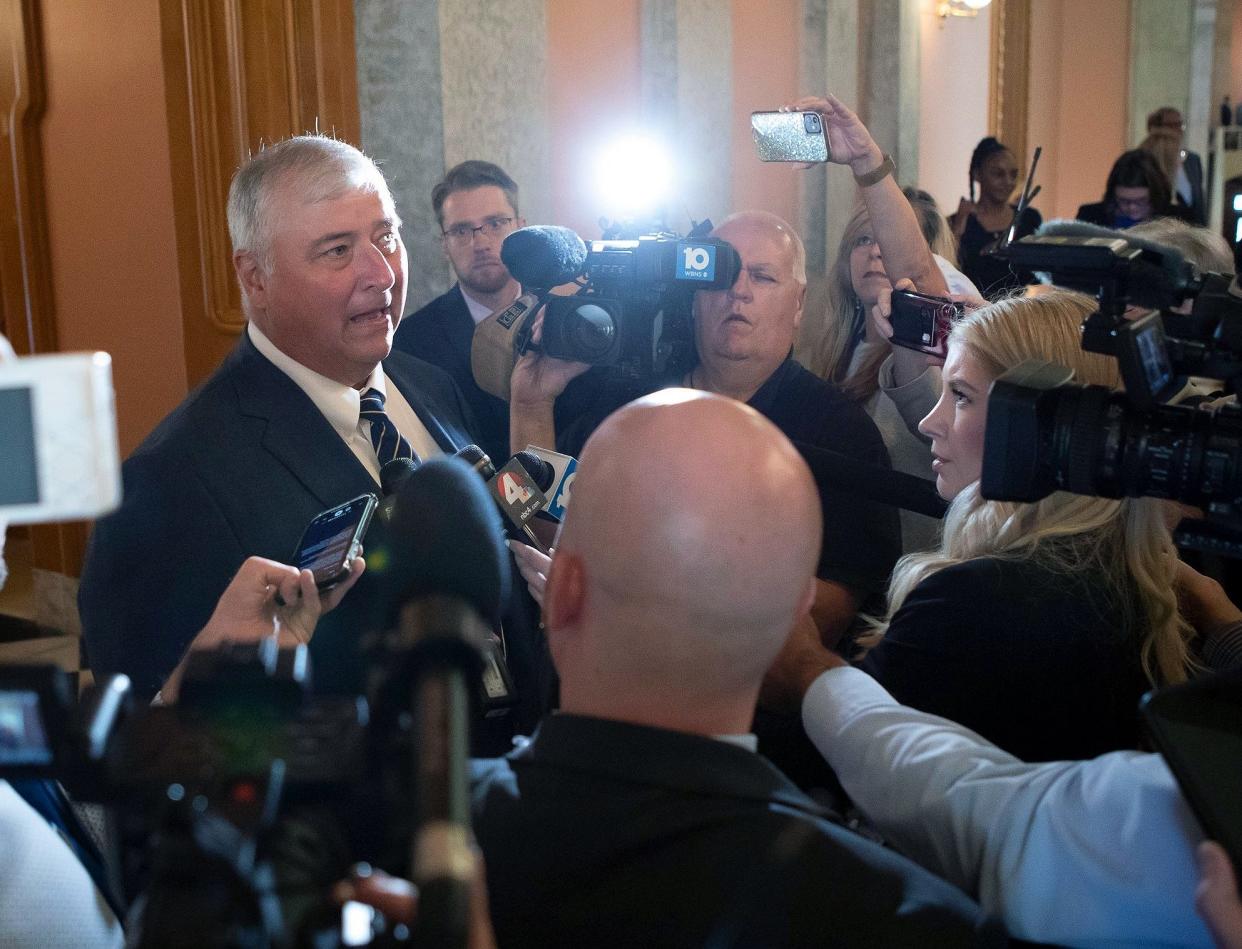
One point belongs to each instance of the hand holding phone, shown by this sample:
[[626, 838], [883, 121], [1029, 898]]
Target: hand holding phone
[[333, 539], [922, 322], [789, 136]]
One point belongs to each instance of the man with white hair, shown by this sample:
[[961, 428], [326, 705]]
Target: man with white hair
[[298, 419], [640, 814], [744, 338]]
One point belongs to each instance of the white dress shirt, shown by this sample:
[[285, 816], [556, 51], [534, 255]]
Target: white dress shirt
[[1095, 853], [340, 406], [47, 898]]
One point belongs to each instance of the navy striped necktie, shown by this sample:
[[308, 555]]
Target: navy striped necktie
[[388, 442]]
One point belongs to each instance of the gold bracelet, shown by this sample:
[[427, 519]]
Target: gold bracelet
[[886, 168]]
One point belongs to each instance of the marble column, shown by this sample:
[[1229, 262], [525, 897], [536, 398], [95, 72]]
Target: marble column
[[441, 81], [399, 97], [829, 62], [687, 98], [1160, 59], [889, 99]]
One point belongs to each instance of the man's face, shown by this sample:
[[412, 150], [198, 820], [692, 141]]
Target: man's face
[[758, 317], [475, 224], [336, 287]]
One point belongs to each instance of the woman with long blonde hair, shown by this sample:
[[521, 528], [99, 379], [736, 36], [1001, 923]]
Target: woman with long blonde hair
[[1038, 625]]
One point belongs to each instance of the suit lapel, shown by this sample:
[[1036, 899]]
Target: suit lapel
[[449, 439], [297, 435]]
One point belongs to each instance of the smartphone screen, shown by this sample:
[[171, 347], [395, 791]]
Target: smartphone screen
[[789, 136], [922, 322], [1197, 727], [333, 539]]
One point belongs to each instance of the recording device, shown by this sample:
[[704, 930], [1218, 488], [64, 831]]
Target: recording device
[[564, 470], [789, 136], [541, 257], [1197, 728], [333, 539], [58, 428], [251, 779], [1044, 434], [631, 314], [922, 322], [872, 482], [392, 476], [494, 346], [518, 496]]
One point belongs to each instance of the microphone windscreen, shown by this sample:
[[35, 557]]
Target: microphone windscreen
[[1171, 258], [445, 539], [542, 257], [540, 471], [394, 473], [477, 459]]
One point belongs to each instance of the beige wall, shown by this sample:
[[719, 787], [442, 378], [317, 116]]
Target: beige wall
[[954, 72], [109, 195], [594, 93], [765, 76], [593, 89], [1080, 53]]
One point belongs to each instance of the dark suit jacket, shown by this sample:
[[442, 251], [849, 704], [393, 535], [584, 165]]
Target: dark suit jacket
[[441, 333], [599, 833], [1042, 662], [238, 469], [1193, 166]]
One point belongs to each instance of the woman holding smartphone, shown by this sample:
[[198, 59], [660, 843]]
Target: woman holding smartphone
[[1037, 625]]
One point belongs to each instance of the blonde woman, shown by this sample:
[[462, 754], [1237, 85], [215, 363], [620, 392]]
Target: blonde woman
[[1037, 625]]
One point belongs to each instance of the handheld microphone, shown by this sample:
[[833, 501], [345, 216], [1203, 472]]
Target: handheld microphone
[[447, 579], [515, 492], [392, 476], [540, 470], [541, 257], [565, 469]]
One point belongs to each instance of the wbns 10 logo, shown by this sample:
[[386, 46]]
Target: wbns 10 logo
[[696, 261]]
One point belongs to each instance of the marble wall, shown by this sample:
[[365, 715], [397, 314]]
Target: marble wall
[[444, 80]]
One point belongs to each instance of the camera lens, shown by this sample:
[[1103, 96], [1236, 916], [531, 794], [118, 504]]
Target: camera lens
[[811, 122], [590, 332]]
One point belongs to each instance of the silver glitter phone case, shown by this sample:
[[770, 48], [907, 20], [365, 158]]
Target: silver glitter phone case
[[789, 136]]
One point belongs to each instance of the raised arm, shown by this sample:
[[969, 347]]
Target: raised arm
[[905, 251]]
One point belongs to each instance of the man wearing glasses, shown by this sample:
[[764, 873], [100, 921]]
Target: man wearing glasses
[[476, 205]]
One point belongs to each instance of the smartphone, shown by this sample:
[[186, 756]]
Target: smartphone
[[789, 136], [922, 322], [1197, 727], [333, 539]]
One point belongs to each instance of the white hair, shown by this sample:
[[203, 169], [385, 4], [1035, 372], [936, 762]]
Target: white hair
[[777, 223], [323, 168]]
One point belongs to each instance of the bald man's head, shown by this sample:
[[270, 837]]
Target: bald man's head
[[689, 550]]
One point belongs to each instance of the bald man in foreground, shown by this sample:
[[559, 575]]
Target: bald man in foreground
[[641, 815]]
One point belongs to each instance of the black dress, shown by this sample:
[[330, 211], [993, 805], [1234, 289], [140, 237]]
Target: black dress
[[993, 275], [1043, 663]]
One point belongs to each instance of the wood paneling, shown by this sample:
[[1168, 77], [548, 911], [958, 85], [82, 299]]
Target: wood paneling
[[27, 310], [1011, 54], [241, 73]]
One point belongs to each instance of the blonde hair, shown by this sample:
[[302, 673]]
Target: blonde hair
[[829, 354], [1125, 541]]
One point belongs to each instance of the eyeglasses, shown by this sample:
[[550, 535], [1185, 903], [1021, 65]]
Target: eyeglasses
[[1132, 204], [463, 234]]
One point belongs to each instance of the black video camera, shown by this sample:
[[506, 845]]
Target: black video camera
[[634, 312], [1045, 434]]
